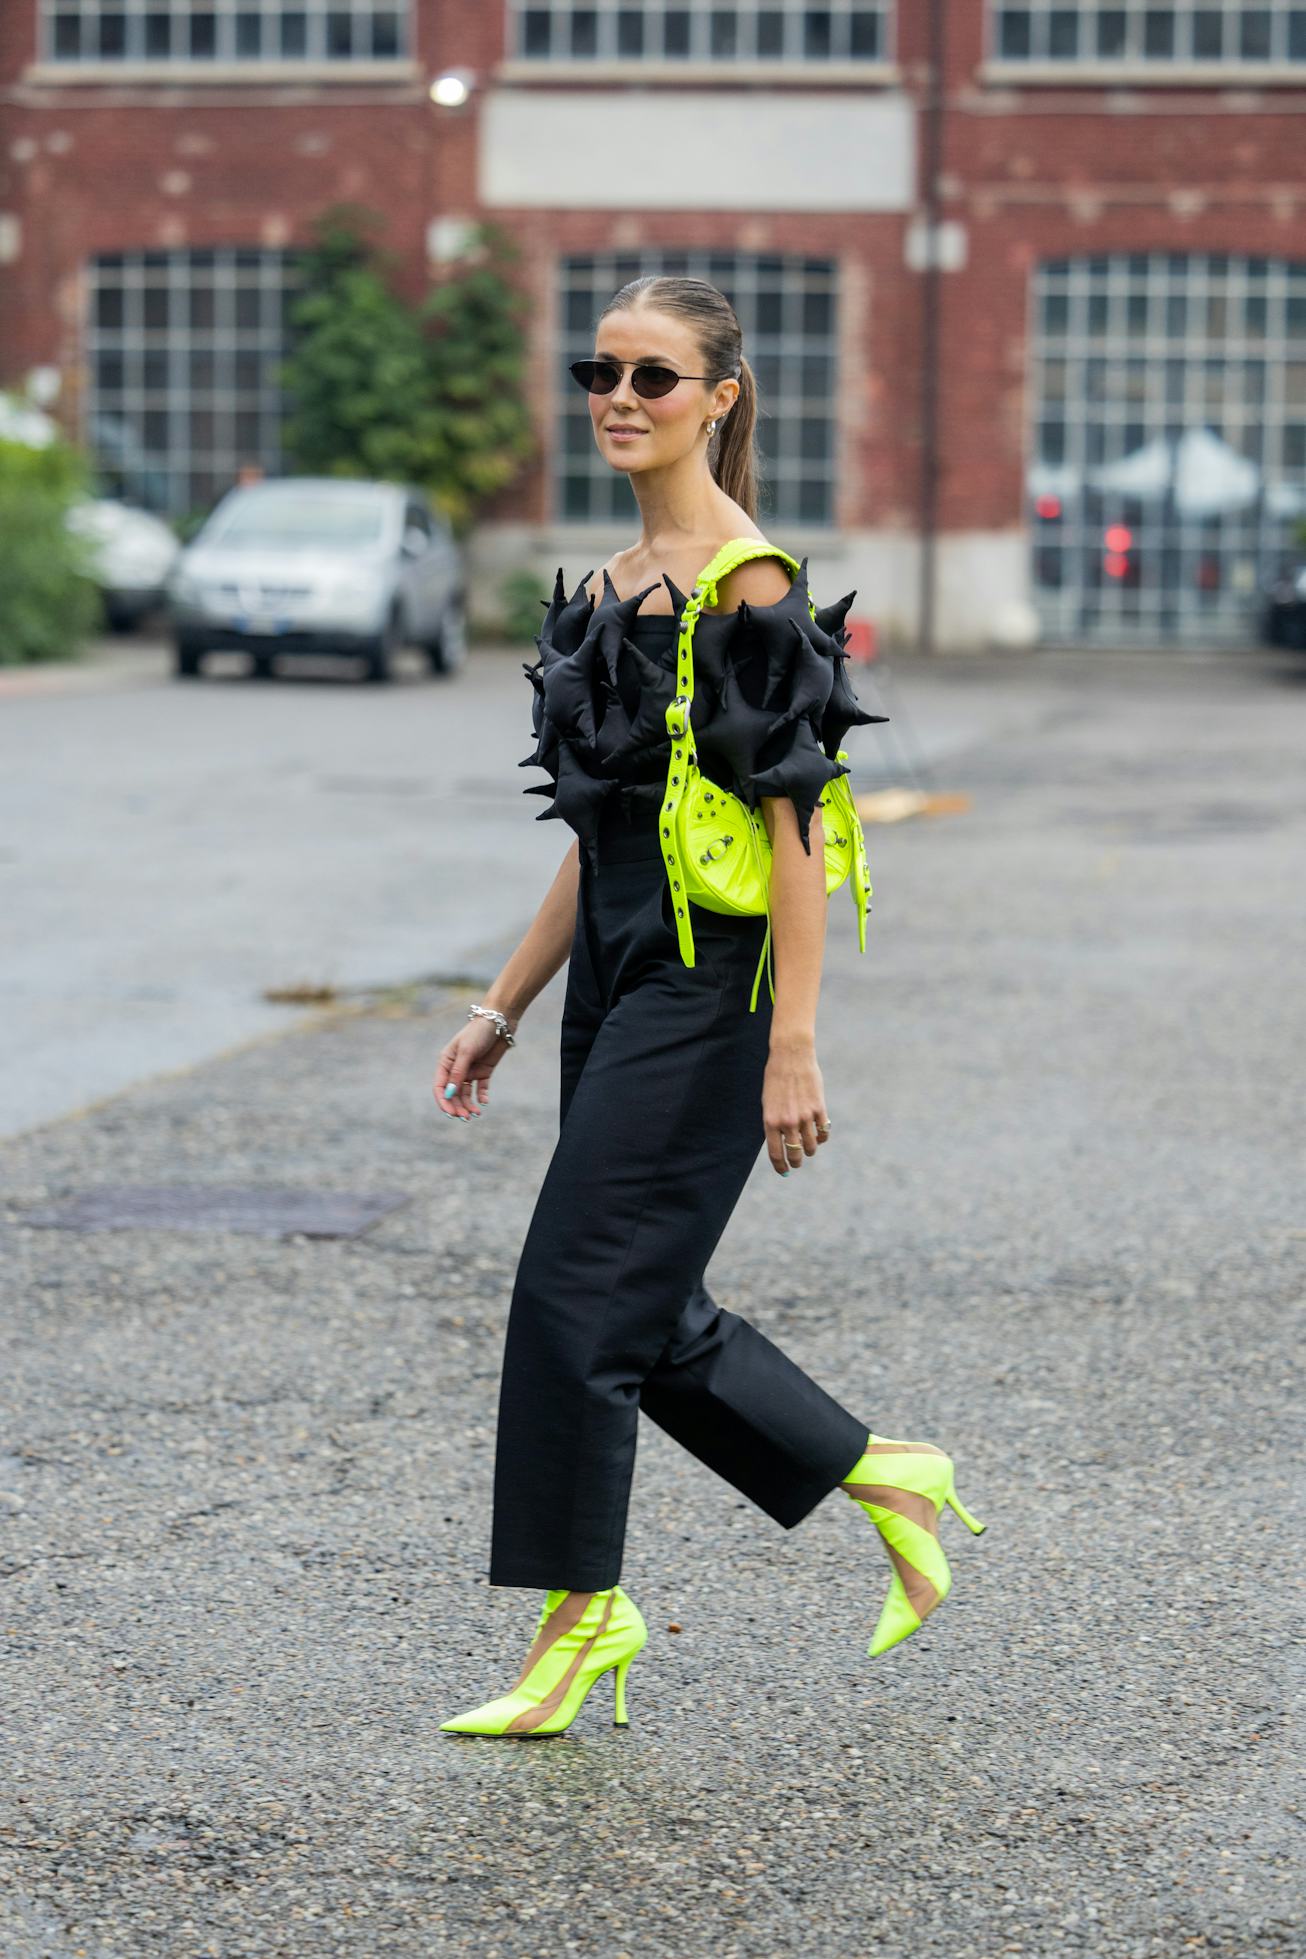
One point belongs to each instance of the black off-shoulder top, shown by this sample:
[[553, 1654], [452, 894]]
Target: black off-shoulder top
[[772, 702]]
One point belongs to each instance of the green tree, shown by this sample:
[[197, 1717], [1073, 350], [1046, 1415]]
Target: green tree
[[430, 393], [475, 324], [49, 601]]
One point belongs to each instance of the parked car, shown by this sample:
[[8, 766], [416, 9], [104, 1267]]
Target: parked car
[[134, 556], [1283, 615], [133, 551], [321, 564]]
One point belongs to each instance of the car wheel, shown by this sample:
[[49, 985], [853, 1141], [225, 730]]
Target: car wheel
[[186, 656], [119, 618], [262, 666], [381, 653], [449, 652]]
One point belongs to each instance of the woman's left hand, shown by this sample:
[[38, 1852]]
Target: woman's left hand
[[793, 1103]]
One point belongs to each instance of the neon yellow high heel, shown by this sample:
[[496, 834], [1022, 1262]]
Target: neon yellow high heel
[[571, 1651], [902, 1487]]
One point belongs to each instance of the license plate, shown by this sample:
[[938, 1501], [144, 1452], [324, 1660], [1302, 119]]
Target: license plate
[[260, 622]]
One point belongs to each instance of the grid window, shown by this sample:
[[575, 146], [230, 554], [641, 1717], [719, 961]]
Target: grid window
[[223, 30], [614, 30], [182, 353], [1135, 32], [788, 312], [1167, 467]]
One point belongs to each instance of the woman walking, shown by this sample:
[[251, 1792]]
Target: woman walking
[[671, 1081]]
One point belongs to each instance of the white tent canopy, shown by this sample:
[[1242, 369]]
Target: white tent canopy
[[1210, 477]]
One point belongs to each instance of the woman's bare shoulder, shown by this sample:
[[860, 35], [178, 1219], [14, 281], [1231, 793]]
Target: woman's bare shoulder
[[760, 581]]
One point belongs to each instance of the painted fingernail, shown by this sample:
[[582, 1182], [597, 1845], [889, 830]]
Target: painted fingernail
[[451, 1089]]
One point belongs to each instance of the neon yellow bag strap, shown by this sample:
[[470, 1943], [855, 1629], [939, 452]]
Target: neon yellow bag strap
[[727, 559], [684, 752]]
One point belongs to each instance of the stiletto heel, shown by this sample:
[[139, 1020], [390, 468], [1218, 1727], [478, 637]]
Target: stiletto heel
[[620, 1719], [902, 1487], [563, 1664], [972, 1523]]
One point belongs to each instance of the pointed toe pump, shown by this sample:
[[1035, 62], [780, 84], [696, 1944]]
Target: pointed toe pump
[[572, 1649], [902, 1487]]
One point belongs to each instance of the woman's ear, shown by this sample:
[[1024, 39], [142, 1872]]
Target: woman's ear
[[725, 398]]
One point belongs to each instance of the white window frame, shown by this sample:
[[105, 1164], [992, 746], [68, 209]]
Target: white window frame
[[1130, 349], [1180, 69], [136, 62], [785, 411], [745, 63], [184, 366]]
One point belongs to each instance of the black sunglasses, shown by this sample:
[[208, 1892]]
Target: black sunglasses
[[601, 377]]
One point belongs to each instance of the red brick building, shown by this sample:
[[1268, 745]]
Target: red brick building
[[1119, 372]]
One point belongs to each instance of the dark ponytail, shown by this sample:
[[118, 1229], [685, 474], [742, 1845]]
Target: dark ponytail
[[732, 452]]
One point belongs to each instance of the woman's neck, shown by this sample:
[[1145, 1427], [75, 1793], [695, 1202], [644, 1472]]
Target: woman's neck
[[679, 506]]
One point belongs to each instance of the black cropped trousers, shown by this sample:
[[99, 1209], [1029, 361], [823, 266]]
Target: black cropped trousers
[[661, 1123]]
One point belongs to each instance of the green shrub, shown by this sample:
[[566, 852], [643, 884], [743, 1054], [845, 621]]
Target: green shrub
[[523, 615], [428, 391], [49, 602]]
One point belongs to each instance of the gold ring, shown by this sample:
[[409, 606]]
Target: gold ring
[[822, 1128]]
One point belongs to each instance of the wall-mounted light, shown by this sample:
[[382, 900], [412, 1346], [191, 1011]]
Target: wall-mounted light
[[453, 89]]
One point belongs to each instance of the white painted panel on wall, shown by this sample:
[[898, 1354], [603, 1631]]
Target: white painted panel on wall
[[650, 150]]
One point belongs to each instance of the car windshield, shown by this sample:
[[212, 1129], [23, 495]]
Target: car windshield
[[281, 521]]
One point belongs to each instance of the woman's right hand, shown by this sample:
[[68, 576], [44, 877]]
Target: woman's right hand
[[466, 1063]]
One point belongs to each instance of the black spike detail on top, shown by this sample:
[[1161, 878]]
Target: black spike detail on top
[[772, 703]]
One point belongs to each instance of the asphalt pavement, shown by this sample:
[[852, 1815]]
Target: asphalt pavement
[[171, 853], [1059, 1229]]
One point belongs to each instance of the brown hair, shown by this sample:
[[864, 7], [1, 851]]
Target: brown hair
[[732, 452]]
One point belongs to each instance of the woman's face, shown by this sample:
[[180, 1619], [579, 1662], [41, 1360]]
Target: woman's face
[[665, 429]]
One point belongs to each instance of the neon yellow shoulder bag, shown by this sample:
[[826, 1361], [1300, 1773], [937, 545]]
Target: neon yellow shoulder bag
[[716, 850]]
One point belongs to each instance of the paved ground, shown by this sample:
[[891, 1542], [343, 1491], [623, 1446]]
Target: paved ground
[[1060, 1228], [171, 852]]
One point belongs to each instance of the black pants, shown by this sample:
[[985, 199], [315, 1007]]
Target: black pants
[[661, 1124]]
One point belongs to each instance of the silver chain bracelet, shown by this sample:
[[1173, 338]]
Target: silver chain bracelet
[[500, 1021]]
